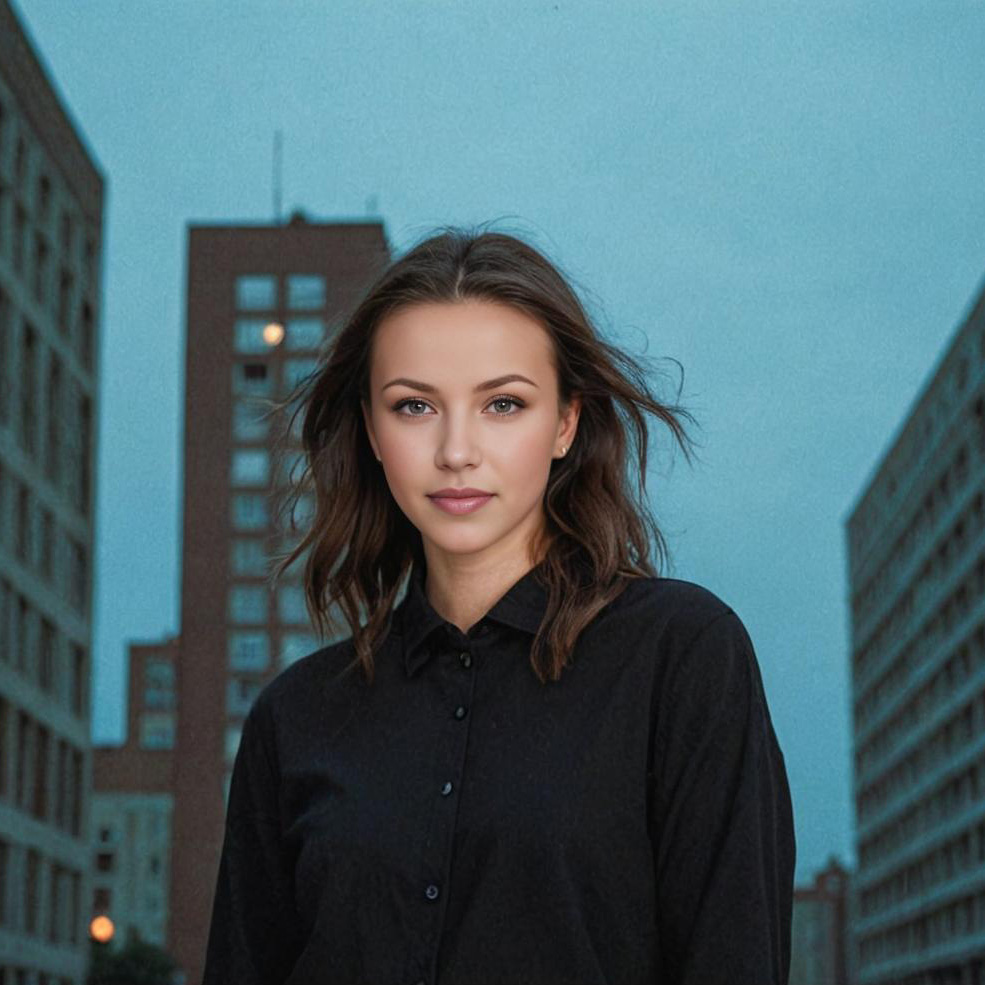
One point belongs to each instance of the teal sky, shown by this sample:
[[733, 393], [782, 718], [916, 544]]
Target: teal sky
[[786, 198]]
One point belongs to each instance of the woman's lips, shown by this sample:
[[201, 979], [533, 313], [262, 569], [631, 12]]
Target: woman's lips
[[457, 505]]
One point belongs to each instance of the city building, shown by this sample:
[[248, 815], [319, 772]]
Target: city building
[[819, 953], [262, 300], [916, 569], [132, 802], [51, 234]]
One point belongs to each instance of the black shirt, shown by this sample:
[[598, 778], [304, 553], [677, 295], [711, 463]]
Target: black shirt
[[459, 823]]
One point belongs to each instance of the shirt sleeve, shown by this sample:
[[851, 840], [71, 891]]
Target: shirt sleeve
[[723, 833], [253, 935]]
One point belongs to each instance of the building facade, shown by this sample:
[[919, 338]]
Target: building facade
[[51, 232], [819, 953], [262, 300], [132, 802], [916, 558]]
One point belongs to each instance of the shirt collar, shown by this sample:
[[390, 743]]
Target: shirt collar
[[522, 607]]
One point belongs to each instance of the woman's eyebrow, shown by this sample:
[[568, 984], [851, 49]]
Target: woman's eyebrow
[[488, 385]]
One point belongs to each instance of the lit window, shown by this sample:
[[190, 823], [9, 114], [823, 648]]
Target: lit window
[[257, 335], [256, 292], [250, 468], [248, 650], [249, 511], [305, 291], [249, 423], [290, 604], [305, 333], [294, 646], [249, 557], [248, 604]]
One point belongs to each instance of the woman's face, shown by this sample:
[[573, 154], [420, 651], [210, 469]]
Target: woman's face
[[434, 422]]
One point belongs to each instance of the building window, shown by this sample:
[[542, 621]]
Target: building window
[[248, 650], [52, 459], [305, 333], [249, 511], [32, 891], [44, 197], [252, 378], [290, 604], [20, 231], [250, 468], [47, 545], [6, 357], [101, 899], [87, 336], [249, 557], [256, 292], [240, 695], [157, 730], [78, 679], [104, 862], [66, 236], [257, 335], [39, 800], [249, 422], [248, 604], [4, 881], [48, 636], [78, 580], [296, 370], [40, 268], [305, 291], [25, 525], [29, 396]]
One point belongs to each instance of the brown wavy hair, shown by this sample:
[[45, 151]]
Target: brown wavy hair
[[599, 531]]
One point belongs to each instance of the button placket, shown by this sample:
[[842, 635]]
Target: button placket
[[451, 763]]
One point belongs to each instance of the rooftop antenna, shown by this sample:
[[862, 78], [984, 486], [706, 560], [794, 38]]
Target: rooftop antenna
[[278, 142]]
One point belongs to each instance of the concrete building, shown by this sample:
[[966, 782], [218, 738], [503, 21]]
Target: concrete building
[[819, 953], [916, 558], [261, 301], [132, 802], [51, 233]]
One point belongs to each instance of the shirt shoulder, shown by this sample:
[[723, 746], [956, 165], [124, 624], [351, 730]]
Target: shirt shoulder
[[293, 688], [674, 611]]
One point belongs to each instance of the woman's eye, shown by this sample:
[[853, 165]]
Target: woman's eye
[[404, 403], [507, 400]]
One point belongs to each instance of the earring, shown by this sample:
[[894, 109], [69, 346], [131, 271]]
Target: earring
[[564, 449]]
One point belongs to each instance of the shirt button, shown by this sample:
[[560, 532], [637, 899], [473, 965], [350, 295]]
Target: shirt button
[[431, 892], [466, 659], [446, 789], [460, 711]]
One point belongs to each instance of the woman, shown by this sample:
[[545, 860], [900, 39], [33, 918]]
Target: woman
[[545, 763]]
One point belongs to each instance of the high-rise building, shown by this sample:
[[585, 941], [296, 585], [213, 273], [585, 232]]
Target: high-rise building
[[51, 232], [262, 300], [132, 802], [916, 559]]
